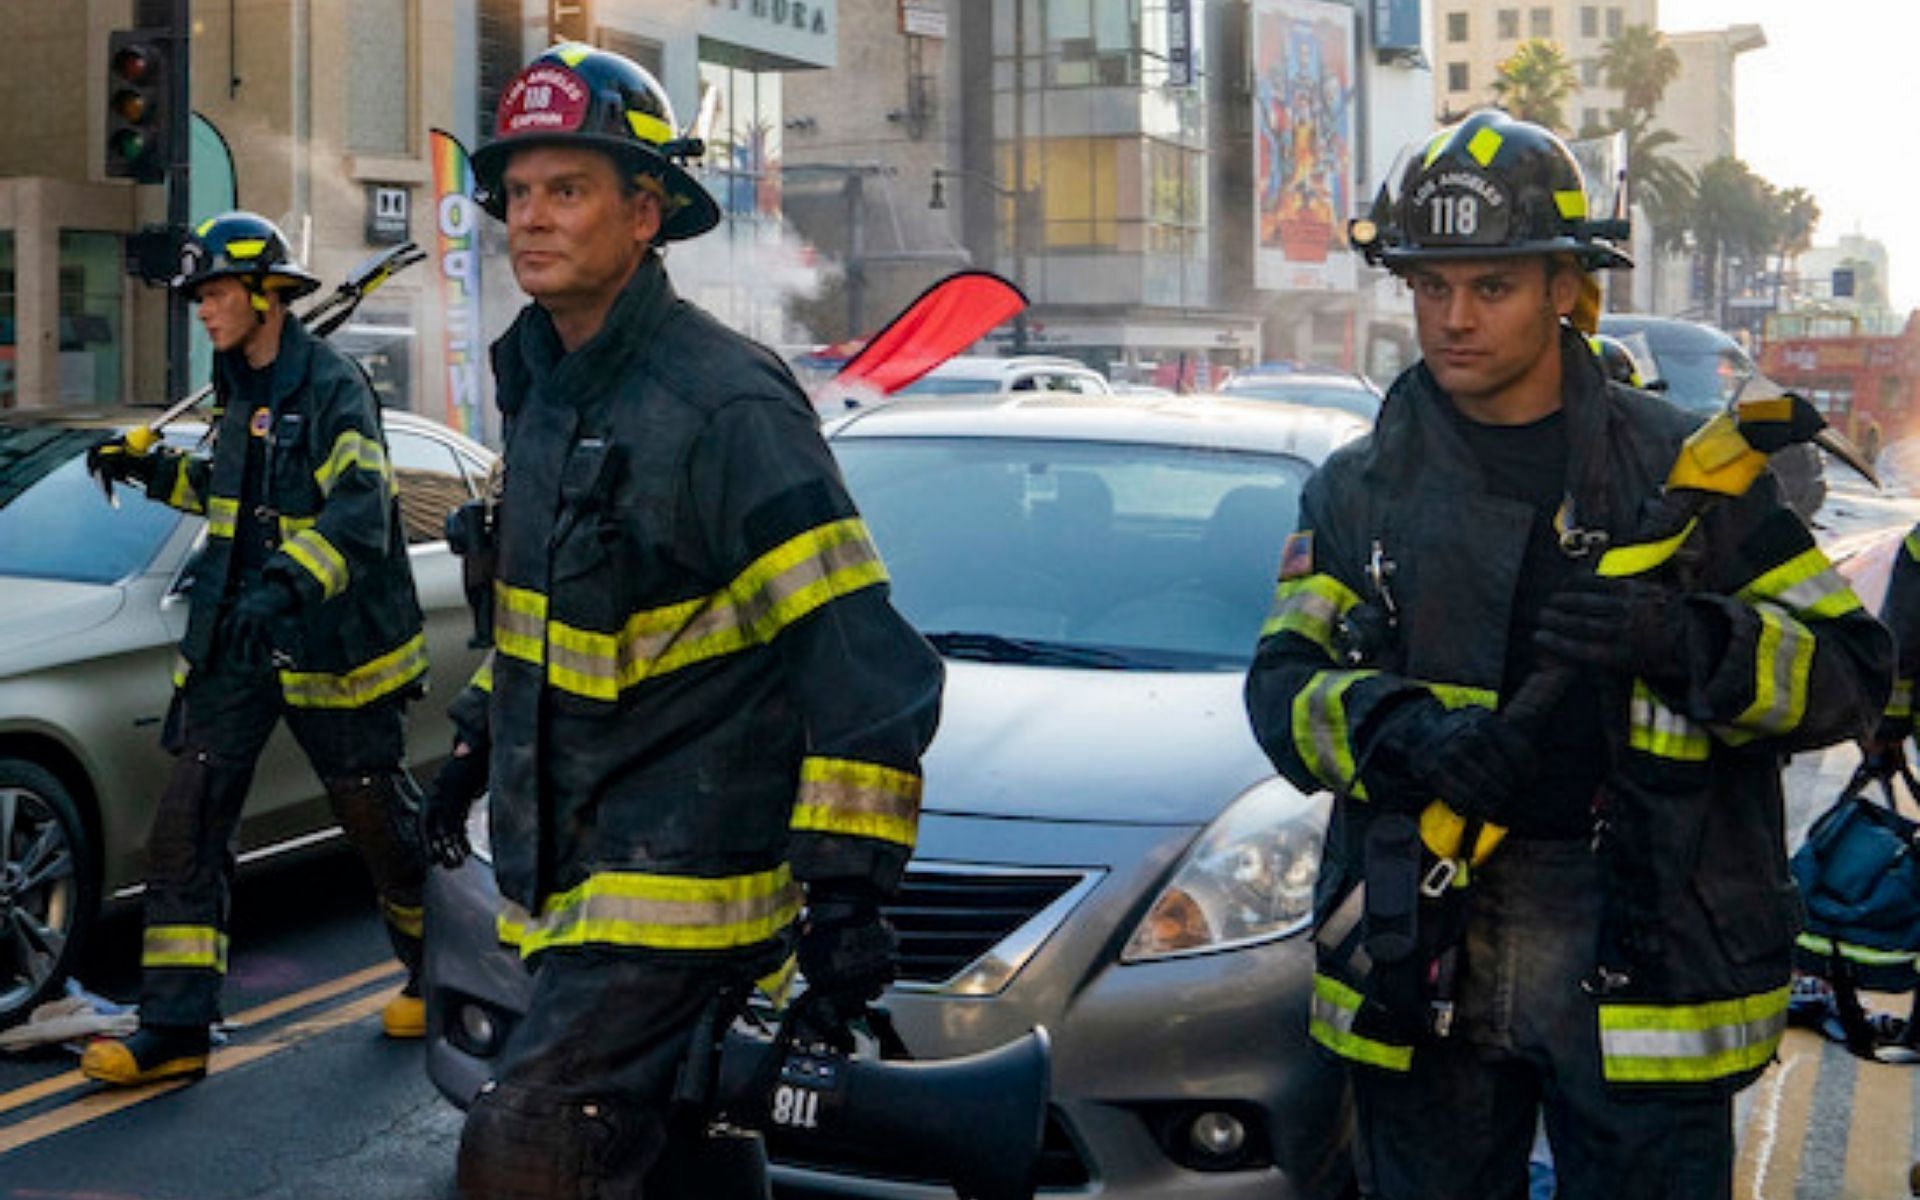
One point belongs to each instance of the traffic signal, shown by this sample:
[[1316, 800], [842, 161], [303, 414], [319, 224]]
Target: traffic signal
[[138, 121]]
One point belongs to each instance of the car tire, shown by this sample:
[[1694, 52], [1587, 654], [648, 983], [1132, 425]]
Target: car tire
[[49, 886]]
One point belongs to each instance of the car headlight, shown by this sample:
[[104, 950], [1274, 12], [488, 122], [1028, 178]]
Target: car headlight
[[480, 831], [1248, 878]]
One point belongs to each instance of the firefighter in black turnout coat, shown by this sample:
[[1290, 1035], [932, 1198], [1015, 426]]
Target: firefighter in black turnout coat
[[303, 607], [702, 719], [1619, 962]]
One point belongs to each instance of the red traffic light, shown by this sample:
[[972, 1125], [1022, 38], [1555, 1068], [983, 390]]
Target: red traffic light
[[135, 64]]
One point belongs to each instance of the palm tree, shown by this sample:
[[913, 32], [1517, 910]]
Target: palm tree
[[1734, 213], [1535, 82], [1639, 64], [1799, 214]]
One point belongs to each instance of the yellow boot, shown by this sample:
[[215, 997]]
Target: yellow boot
[[148, 1055], [405, 1016]]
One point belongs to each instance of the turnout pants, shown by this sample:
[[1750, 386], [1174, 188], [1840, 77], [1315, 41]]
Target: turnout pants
[[581, 1105], [219, 723], [1526, 1043]]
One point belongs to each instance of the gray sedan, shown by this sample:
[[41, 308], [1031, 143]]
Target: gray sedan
[[93, 607], [1104, 850]]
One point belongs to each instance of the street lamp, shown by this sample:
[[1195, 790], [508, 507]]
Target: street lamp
[[937, 200]]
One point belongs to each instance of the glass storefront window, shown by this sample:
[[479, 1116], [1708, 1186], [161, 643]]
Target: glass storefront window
[[90, 336], [7, 337], [742, 165]]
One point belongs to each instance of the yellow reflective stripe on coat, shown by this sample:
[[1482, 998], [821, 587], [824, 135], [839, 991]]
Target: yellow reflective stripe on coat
[[1900, 700], [483, 674], [200, 946], [317, 556], [351, 449], [290, 526], [1805, 584], [1690, 1043], [1655, 729], [1639, 559], [781, 587], [1320, 732], [1310, 606], [1330, 1022], [1460, 695], [662, 912], [861, 799], [222, 513], [1866, 956], [362, 685], [519, 623], [408, 919], [1912, 544], [1782, 668], [183, 497]]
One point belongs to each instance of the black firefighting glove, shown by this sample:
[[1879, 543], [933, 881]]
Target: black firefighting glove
[[114, 460], [443, 810], [262, 622], [1629, 625], [1472, 758], [848, 952], [1884, 750]]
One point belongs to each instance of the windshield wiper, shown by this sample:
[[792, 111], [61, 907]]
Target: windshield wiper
[[992, 647]]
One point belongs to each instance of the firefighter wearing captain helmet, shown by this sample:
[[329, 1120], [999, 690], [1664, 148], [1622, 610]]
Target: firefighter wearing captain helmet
[[702, 710], [303, 608], [1620, 961]]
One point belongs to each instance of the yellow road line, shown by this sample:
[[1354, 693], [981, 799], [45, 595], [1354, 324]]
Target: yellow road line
[[94, 1105], [1880, 1132], [20, 1097], [1769, 1161]]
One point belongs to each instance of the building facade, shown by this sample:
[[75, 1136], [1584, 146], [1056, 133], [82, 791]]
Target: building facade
[[1472, 38]]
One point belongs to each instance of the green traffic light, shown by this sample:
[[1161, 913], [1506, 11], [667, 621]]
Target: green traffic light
[[130, 145]]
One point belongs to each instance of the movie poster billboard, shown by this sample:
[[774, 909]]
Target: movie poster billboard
[[457, 222], [1303, 122]]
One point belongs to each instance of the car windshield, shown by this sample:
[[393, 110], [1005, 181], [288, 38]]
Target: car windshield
[[55, 524], [1356, 400], [1084, 554], [949, 385]]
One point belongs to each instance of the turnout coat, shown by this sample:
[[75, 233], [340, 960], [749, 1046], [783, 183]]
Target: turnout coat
[[1702, 910], [700, 695]]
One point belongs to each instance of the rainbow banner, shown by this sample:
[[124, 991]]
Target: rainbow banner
[[457, 218]]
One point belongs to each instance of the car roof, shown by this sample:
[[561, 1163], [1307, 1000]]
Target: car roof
[[1672, 332], [983, 366], [1206, 421], [1302, 379], [116, 417]]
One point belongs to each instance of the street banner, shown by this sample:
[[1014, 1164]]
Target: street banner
[[947, 318], [1303, 119], [457, 223]]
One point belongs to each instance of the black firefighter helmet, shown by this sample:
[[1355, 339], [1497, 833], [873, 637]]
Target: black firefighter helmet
[[576, 95], [1488, 187], [248, 247]]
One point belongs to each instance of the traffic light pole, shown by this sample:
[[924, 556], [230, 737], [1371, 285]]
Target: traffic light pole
[[176, 17]]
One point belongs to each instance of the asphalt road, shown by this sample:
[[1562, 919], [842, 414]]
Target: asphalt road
[[306, 1100]]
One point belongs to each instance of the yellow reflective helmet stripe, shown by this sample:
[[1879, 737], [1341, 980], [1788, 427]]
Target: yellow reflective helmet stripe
[[1330, 1022], [192, 946], [1310, 606], [662, 912], [861, 799], [1484, 145], [311, 549], [1572, 204], [648, 128], [222, 513], [1691, 1043], [361, 686]]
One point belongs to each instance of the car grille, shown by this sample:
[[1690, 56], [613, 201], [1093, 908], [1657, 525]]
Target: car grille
[[947, 916]]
